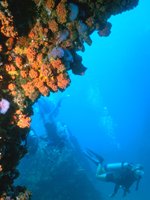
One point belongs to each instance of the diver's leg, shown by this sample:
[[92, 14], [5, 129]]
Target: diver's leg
[[116, 188], [125, 191]]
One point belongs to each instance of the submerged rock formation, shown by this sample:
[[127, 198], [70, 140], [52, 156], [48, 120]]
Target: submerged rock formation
[[39, 40], [55, 167]]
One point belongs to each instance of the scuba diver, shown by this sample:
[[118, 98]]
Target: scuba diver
[[32, 142], [122, 174]]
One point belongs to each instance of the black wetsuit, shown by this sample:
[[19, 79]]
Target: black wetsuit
[[124, 177]]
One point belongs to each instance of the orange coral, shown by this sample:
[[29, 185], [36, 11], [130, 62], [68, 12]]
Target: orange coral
[[38, 83], [10, 58], [35, 65], [18, 112], [1, 48], [9, 43], [53, 26], [10, 68], [50, 4], [43, 90], [1, 78], [45, 71], [23, 121], [14, 93], [33, 74], [31, 34], [62, 12], [18, 61], [11, 87], [31, 53], [23, 73], [39, 58], [51, 83], [7, 27], [57, 64], [28, 88], [62, 81]]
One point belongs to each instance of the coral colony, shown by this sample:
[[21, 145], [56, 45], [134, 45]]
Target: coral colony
[[39, 40]]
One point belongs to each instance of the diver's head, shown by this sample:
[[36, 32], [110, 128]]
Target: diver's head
[[139, 171]]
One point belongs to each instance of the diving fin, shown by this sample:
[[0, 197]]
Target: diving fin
[[95, 156], [95, 161]]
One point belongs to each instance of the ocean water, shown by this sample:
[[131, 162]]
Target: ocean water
[[106, 110]]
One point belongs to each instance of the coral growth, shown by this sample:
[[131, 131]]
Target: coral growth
[[38, 44]]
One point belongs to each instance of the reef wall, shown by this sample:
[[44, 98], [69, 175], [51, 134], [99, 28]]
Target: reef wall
[[39, 40]]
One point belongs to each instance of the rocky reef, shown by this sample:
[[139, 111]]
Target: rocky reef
[[39, 40], [55, 167]]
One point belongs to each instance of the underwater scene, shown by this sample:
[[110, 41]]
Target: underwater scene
[[74, 100]]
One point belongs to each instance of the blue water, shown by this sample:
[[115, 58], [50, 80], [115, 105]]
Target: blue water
[[108, 109]]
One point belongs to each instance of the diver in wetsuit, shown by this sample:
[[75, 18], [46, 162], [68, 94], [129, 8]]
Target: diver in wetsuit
[[122, 174]]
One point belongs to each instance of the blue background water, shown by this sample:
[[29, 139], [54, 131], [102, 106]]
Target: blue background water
[[108, 109], [117, 79]]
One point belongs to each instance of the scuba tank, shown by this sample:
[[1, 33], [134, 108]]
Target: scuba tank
[[117, 166]]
